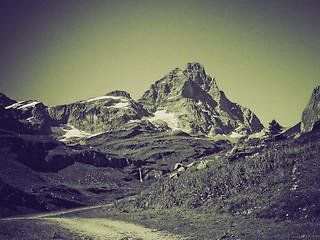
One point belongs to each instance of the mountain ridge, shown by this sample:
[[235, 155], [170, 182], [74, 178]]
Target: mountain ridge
[[187, 100]]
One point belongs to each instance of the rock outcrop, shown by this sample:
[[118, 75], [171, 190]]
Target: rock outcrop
[[191, 101], [311, 114]]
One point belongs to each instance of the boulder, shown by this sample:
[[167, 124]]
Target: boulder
[[202, 165], [177, 166]]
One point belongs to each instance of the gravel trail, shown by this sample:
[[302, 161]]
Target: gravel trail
[[101, 228]]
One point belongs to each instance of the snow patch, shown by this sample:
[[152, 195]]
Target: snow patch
[[73, 132], [134, 121], [236, 135], [174, 97], [119, 105], [30, 119], [104, 97], [22, 104], [232, 137], [169, 118], [260, 134], [29, 105]]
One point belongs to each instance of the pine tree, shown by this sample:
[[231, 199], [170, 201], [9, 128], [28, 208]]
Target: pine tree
[[274, 127]]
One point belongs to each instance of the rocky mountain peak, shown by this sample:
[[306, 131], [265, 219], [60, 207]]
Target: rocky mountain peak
[[311, 114], [196, 72], [315, 97], [196, 105], [195, 67], [119, 93]]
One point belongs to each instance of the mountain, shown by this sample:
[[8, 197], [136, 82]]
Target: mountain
[[311, 114], [100, 114], [191, 101]]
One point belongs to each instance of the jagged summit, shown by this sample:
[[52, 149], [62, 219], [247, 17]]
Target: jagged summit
[[196, 104], [196, 72]]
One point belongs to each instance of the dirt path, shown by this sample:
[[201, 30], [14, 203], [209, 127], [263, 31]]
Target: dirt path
[[100, 228]]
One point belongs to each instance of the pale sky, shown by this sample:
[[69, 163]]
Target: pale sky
[[264, 54]]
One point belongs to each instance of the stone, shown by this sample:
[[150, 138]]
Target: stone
[[202, 165], [177, 166], [181, 169]]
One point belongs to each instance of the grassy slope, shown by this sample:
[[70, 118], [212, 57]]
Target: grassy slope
[[271, 195]]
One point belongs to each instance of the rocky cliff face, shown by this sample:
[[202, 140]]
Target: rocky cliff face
[[190, 100], [25, 116], [311, 114], [105, 113]]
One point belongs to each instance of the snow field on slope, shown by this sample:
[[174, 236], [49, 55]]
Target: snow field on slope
[[73, 132], [169, 118], [21, 104], [122, 104]]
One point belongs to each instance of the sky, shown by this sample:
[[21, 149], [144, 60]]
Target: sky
[[264, 55]]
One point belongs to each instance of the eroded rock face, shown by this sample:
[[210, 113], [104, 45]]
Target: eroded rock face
[[311, 114], [196, 104], [106, 113], [25, 117]]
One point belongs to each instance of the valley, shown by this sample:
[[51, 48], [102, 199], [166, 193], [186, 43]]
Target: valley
[[181, 160]]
